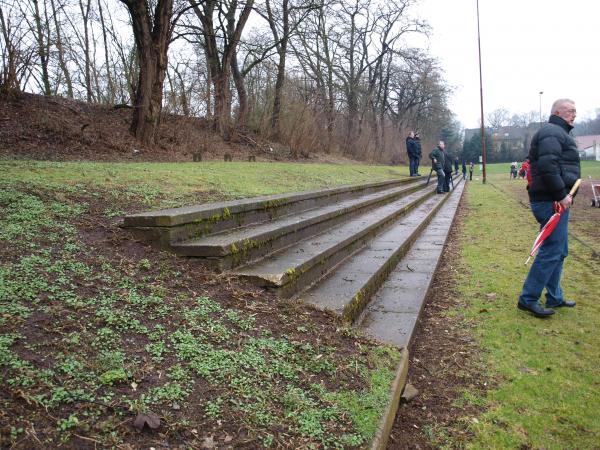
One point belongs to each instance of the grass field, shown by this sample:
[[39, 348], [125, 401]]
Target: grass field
[[165, 184], [545, 373]]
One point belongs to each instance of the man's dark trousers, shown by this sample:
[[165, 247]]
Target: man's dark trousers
[[440, 180], [447, 176], [413, 165]]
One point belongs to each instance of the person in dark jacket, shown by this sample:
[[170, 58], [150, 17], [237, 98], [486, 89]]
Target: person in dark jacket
[[419, 153], [464, 170], [412, 151], [456, 165], [447, 171], [437, 164], [555, 168]]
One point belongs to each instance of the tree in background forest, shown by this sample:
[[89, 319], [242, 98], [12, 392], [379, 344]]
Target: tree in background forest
[[152, 32], [589, 126], [314, 75], [472, 149]]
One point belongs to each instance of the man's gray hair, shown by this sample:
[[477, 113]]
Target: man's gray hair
[[559, 103]]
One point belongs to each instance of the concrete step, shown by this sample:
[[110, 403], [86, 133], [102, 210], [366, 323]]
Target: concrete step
[[394, 310], [233, 248], [173, 225], [348, 290], [299, 265]]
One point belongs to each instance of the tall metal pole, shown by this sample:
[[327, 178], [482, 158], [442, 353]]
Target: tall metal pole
[[541, 92], [481, 97]]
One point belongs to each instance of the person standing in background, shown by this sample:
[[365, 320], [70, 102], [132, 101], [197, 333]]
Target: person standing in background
[[419, 153], [464, 170], [411, 150], [437, 165], [471, 171], [447, 171]]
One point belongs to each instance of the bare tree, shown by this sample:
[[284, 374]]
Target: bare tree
[[220, 52], [41, 29], [110, 94], [152, 32], [16, 54], [59, 44], [316, 51], [498, 118]]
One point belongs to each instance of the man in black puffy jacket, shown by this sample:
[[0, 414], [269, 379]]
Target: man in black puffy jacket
[[554, 169]]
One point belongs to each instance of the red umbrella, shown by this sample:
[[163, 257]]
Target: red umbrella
[[549, 227]]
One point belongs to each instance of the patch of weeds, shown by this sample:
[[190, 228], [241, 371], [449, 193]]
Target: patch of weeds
[[156, 349], [268, 440], [69, 366], [160, 311], [25, 216], [122, 319], [144, 193], [169, 392], [114, 376], [110, 365], [212, 408], [245, 323], [179, 373], [145, 264], [365, 408], [113, 211], [69, 423]]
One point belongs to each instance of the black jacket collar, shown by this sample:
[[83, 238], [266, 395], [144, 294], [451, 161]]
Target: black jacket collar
[[560, 122]]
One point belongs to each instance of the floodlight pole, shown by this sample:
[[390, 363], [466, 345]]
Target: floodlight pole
[[481, 97]]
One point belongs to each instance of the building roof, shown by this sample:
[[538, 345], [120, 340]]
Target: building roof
[[587, 141]]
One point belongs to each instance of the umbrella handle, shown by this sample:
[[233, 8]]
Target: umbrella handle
[[575, 187], [557, 206]]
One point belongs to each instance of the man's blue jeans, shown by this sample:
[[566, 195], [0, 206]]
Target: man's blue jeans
[[546, 270]]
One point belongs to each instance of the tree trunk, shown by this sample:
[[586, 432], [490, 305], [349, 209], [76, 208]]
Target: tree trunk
[[282, 51], [222, 94], [42, 48], [209, 82], [9, 83], [61, 52], [152, 38], [220, 66], [110, 90], [240, 86]]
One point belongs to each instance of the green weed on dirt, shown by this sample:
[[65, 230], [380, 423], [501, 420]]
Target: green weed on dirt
[[545, 373], [97, 329]]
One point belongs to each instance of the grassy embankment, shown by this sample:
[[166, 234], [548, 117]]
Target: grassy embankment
[[545, 373], [96, 328]]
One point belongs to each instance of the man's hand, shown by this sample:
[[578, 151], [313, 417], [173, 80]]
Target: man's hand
[[566, 202]]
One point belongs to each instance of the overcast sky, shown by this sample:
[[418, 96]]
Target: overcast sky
[[527, 46]]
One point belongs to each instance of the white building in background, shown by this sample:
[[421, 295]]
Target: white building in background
[[589, 147]]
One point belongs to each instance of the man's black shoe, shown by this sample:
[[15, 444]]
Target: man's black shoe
[[536, 309], [565, 303]]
